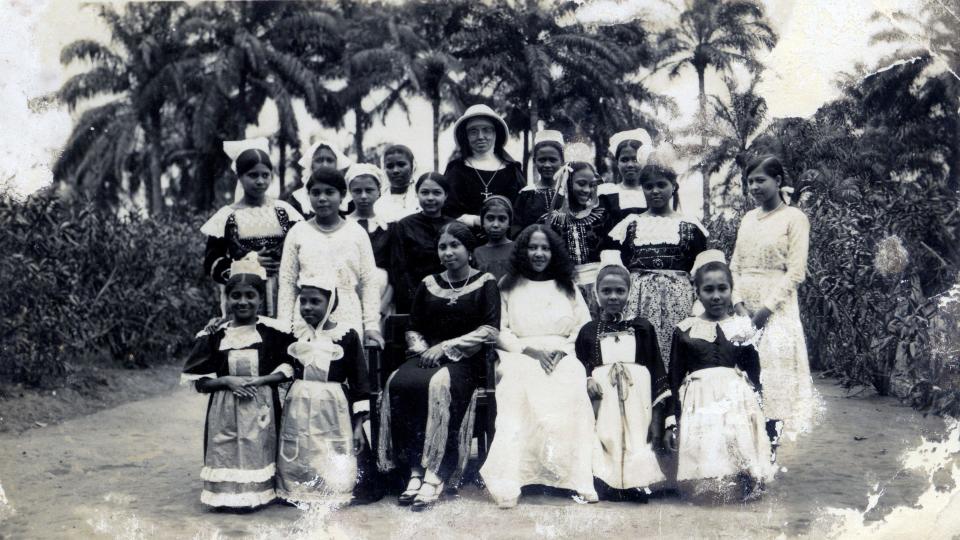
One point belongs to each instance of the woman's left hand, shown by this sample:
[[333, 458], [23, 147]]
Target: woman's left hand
[[670, 440], [760, 317], [431, 357], [373, 338], [358, 438]]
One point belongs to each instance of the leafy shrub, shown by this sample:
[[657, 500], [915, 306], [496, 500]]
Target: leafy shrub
[[83, 285]]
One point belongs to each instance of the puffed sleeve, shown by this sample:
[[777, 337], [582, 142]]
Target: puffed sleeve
[[585, 345], [798, 245], [287, 276], [203, 360]]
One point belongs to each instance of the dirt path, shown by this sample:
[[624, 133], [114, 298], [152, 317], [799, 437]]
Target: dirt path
[[132, 472]]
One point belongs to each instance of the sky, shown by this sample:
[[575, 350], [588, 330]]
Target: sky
[[818, 39]]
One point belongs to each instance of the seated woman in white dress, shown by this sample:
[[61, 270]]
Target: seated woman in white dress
[[544, 427]]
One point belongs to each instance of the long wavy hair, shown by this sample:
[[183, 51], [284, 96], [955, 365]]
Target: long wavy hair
[[560, 268]]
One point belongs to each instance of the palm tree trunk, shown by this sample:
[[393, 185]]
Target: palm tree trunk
[[358, 132], [282, 166], [435, 105], [526, 149], [534, 125], [155, 152], [701, 74]]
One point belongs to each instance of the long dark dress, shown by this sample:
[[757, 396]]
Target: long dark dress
[[659, 251], [715, 377], [624, 360], [414, 255], [240, 434], [427, 414], [466, 189]]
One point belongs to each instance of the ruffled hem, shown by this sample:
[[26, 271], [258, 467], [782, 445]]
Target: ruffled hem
[[238, 500], [240, 476]]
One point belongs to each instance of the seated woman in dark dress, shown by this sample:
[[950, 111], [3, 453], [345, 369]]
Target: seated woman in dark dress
[[480, 166], [426, 411]]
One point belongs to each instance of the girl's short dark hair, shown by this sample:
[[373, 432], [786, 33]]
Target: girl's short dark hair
[[654, 171], [329, 176], [614, 270], [497, 201], [712, 266], [553, 144], [629, 143], [251, 280], [250, 158], [336, 301], [399, 149], [436, 177], [560, 268], [461, 232]]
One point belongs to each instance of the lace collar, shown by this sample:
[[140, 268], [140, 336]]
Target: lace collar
[[737, 329], [657, 230], [304, 332]]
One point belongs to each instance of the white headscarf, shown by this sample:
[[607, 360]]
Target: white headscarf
[[640, 135], [306, 159]]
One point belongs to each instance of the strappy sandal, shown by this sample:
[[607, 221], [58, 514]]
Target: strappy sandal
[[410, 493], [422, 502]]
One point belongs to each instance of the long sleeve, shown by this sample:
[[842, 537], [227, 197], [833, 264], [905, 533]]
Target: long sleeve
[[468, 344], [357, 373], [798, 245], [402, 288], [369, 283], [648, 352], [507, 340], [453, 206], [581, 314], [678, 371], [735, 296], [749, 362], [287, 277], [216, 259], [584, 347], [416, 343]]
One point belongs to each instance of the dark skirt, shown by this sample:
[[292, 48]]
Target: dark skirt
[[427, 418]]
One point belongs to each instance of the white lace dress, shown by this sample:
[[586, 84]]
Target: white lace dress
[[769, 262], [347, 252], [544, 426]]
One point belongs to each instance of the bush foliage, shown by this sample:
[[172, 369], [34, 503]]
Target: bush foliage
[[84, 285]]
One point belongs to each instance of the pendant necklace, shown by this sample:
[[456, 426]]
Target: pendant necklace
[[486, 185], [456, 291]]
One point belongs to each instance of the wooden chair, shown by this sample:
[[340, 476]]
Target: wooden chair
[[382, 364]]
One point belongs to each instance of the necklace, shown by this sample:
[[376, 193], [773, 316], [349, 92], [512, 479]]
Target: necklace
[[456, 291], [329, 228], [486, 185]]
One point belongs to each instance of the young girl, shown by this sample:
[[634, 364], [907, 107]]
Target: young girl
[[583, 222], [414, 242], [769, 263], [535, 200], [329, 241], [364, 186], [627, 377], [327, 407], [320, 154], [254, 224], [239, 364], [659, 247], [630, 150], [715, 374], [494, 256], [400, 201]]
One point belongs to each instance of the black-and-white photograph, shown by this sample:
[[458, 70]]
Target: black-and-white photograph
[[480, 269]]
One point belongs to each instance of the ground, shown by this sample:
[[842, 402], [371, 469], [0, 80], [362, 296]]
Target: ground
[[132, 472]]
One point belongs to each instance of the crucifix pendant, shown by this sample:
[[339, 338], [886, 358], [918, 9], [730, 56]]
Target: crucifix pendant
[[453, 301], [486, 194]]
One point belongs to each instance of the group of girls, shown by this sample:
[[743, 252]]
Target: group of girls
[[604, 362]]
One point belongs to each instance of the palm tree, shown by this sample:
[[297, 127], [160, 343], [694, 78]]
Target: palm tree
[[717, 34], [143, 70], [516, 49], [252, 52], [733, 126]]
